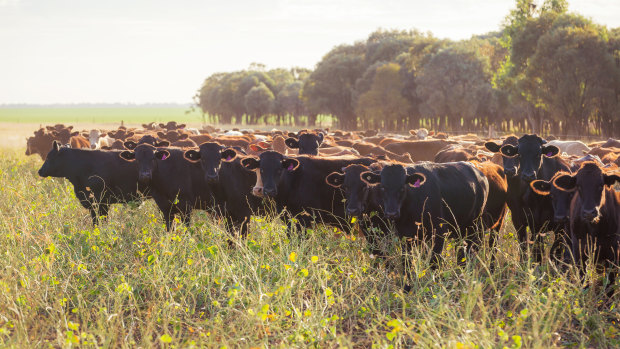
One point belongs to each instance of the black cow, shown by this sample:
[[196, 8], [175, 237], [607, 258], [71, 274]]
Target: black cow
[[594, 215], [177, 185], [427, 200], [298, 184], [307, 143], [229, 181], [361, 200], [99, 177], [561, 202], [525, 160]]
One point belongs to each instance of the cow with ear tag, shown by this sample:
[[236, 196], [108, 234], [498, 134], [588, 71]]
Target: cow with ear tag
[[594, 215], [361, 200], [527, 159], [177, 185], [228, 180], [297, 184], [99, 178], [427, 200], [307, 143]]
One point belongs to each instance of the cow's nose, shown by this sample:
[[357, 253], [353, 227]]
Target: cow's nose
[[392, 215], [529, 177], [212, 178], [589, 214], [560, 219], [257, 191], [270, 192]]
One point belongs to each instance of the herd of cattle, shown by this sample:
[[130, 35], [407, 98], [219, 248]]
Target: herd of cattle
[[423, 186]]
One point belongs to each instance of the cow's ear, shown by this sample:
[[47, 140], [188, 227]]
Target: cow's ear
[[335, 179], [290, 164], [183, 136], [161, 154], [181, 126], [541, 187], [292, 134], [130, 134], [73, 134], [228, 154], [56, 145], [565, 182], [550, 151], [85, 135], [131, 145], [127, 155], [264, 145], [161, 134], [416, 179], [370, 178], [509, 151], [112, 134], [611, 179], [192, 155], [250, 163], [292, 143], [161, 125], [161, 144], [492, 146]]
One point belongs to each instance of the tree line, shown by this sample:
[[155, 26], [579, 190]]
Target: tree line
[[546, 71]]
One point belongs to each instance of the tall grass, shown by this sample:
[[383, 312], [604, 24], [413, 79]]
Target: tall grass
[[130, 283]]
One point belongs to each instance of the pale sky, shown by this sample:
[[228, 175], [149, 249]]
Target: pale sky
[[140, 51]]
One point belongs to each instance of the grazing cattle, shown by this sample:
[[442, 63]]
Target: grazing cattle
[[171, 126], [176, 185], [229, 181], [571, 147], [421, 134], [453, 154], [99, 178], [611, 143], [525, 160], [594, 215], [99, 139], [121, 134], [40, 143], [419, 150], [426, 200], [146, 139], [370, 149], [79, 142], [361, 200], [561, 201], [496, 207], [307, 143], [298, 184]]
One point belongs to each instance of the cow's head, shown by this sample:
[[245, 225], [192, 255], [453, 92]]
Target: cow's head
[[270, 166], [589, 182], [355, 190], [55, 161], [393, 182], [529, 152], [511, 163], [560, 199], [307, 143], [210, 155], [146, 156]]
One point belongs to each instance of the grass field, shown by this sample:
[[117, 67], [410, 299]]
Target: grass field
[[129, 283], [109, 115]]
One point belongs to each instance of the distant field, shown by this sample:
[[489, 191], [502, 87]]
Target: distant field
[[98, 115]]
